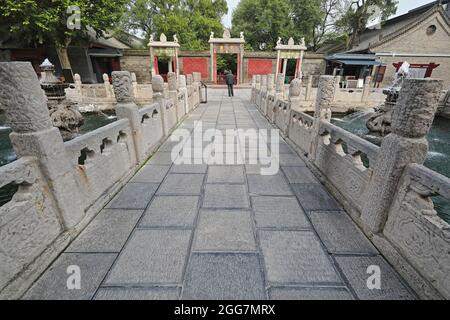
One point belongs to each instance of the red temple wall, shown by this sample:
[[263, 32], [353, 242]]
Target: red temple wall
[[195, 64]]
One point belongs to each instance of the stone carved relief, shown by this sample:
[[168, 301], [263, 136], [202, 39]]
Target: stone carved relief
[[123, 87], [158, 84], [24, 100]]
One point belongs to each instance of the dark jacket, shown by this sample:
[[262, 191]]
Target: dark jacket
[[230, 78]]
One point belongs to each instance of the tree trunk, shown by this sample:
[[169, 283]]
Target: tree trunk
[[66, 67], [63, 58]]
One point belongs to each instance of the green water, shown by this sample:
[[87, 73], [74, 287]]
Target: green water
[[438, 158]]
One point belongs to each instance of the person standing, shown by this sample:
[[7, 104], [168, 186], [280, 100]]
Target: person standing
[[230, 83]]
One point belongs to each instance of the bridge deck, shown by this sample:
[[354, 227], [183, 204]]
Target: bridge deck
[[221, 232]]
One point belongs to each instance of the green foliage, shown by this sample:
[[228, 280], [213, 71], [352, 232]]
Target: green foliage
[[355, 19], [263, 21], [36, 22], [318, 21], [191, 20]]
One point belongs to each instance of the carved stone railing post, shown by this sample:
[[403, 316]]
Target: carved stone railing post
[[253, 88], [135, 86], [257, 89], [309, 88], [324, 99], [337, 83], [295, 91], [366, 90], [107, 85], [127, 109], [262, 96], [34, 135], [183, 89], [279, 94], [173, 91], [258, 82], [270, 92], [78, 84], [411, 120], [159, 98], [191, 94], [197, 76]]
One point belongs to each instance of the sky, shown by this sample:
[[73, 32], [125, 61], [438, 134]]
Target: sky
[[403, 7]]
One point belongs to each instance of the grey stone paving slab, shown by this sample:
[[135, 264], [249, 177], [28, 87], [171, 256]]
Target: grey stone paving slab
[[171, 211], [296, 257], [287, 160], [134, 196], [225, 196], [299, 175], [151, 256], [279, 212], [340, 234], [151, 174], [229, 230], [162, 158], [268, 185], [182, 184], [53, 283], [189, 168], [355, 270], [315, 197], [224, 276], [254, 168], [226, 174], [156, 293], [308, 293], [283, 148], [107, 232]]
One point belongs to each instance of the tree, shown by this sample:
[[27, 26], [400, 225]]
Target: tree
[[191, 20], [263, 21], [358, 15], [38, 22], [315, 20]]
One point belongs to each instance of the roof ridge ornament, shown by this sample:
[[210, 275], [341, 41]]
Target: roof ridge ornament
[[163, 38]]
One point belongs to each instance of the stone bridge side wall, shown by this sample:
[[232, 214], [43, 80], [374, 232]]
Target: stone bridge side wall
[[62, 186], [386, 190]]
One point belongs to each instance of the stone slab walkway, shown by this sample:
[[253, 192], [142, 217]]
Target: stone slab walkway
[[221, 232]]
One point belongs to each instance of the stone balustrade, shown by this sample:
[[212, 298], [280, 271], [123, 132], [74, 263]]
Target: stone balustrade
[[386, 190], [100, 96], [62, 186]]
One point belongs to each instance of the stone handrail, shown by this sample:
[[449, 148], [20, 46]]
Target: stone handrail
[[100, 96], [62, 186], [386, 190], [101, 159]]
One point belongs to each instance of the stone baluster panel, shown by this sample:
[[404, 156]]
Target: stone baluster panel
[[183, 89], [159, 98]]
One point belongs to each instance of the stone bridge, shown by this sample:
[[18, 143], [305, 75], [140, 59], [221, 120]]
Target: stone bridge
[[116, 207]]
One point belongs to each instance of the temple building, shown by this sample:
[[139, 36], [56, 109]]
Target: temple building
[[421, 37]]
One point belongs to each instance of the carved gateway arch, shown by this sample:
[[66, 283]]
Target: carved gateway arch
[[167, 49], [226, 44]]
